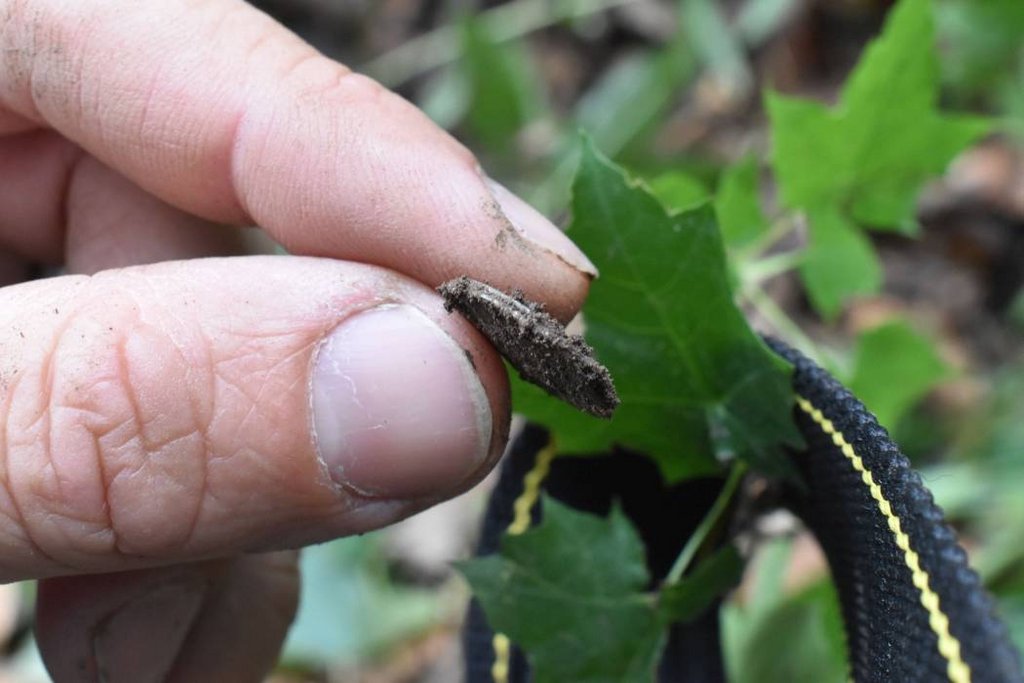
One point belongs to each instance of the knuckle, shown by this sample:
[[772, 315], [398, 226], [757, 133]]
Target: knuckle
[[315, 78], [355, 87]]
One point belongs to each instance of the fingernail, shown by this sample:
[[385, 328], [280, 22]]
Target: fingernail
[[534, 227], [398, 409], [141, 641]]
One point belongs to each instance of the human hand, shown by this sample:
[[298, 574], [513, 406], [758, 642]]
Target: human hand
[[171, 430]]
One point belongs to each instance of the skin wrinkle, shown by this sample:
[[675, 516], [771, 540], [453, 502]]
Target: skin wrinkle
[[205, 421], [237, 150], [354, 90], [218, 504], [139, 468], [265, 386], [124, 375], [256, 352], [153, 447], [101, 451], [17, 527], [19, 515], [293, 70], [130, 391], [274, 576], [238, 211], [106, 529], [15, 515], [236, 138], [114, 538], [43, 409], [152, 91], [237, 142], [253, 346], [282, 567], [138, 432], [102, 623], [46, 416], [237, 388], [212, 589]]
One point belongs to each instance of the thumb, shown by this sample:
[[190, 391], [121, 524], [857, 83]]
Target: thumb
[[203, 408]]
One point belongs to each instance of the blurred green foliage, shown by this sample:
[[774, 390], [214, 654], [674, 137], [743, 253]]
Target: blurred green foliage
[[863, 162], [982, 50], [894, 367], [350, 612], [504, 88], [780, 637]]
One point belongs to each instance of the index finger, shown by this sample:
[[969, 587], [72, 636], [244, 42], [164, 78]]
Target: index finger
[[217, 109]]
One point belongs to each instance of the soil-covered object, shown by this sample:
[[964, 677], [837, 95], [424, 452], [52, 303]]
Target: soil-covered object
[[535, 344]]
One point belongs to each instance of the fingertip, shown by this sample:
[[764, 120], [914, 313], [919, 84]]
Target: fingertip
[[563, 291]]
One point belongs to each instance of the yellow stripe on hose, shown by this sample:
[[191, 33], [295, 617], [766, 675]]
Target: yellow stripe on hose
[[949, 646], [502, 653], [521, 517], [531, 490]]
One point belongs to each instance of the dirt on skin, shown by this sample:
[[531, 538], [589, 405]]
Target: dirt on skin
[[535, 344]]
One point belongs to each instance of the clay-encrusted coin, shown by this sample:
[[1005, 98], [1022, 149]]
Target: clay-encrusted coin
[[535, 344]]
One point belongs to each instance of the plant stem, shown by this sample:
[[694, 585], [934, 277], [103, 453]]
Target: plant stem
[[700, 534], [753, 273], [505, 22], [780, 228], [784, 326]]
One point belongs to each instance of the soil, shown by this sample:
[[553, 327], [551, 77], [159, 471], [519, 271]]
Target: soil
[[535, 344]]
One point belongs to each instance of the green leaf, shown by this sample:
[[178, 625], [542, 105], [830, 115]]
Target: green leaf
[[679, 191], [839, 263], [693, 378], [894, 367], [689, 598], [739, 206], [869, 156], [571, 594], [504, 95], [872, 153]]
